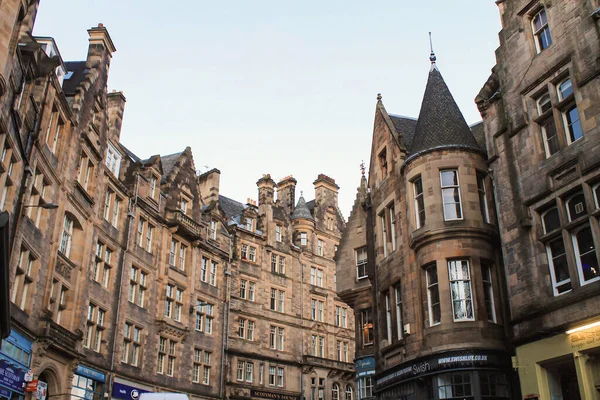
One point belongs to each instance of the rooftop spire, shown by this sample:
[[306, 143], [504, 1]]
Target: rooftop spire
[[432, 56], [362, 167]]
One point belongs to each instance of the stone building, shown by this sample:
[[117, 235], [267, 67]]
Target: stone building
[[436, 324], [289, 334], [540, 109], [118, 265], [354, 288]]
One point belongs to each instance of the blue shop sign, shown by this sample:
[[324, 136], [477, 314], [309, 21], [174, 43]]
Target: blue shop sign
[[5, 393], [126, 392], [11, 377], [365, 364], [91, 373]]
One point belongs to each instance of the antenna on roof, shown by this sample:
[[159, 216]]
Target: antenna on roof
[[432, 56]]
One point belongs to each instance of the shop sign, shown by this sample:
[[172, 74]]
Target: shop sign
[[42, 390], [365, 364], [5, 393], [31, 386], [585, 339], [365, 373], [272, 395], [11, 377], [445, 361], [91, 373], [126, 392], [28, 376]]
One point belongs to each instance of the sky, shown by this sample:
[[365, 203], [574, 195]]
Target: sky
[[278, 87]]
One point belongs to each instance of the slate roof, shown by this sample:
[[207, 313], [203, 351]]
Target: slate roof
[[279, 213], [301, 210], [479, 134], [440, 122], [311, 206], [79, 70], [230, 206], [406, 126], [168, 163], [130, 154]]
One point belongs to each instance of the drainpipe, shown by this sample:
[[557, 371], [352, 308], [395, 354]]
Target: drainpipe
[[301, 327], [130, 217], [225, 344]]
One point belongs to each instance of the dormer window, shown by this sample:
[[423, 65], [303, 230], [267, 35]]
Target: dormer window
[[249, 224], [213, 230], [183, 205], [113, 160]]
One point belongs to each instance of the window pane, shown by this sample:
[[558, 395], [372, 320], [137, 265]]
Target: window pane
[[558, 263], [449, 178], [565, 89], [576, 206], [551, 220], [573, 124], [587, 254], [550, 137], [544, 103]]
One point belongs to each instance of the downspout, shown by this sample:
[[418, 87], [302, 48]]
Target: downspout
[[130, 217], [301, 327], [225, 344]]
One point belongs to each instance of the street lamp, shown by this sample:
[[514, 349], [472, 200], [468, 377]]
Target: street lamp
[[47, 206]]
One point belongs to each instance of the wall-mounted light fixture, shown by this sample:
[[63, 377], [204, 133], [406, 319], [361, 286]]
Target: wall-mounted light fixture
[[583, 328]]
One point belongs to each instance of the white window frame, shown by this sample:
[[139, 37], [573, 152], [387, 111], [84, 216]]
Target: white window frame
[[567, 203], [539, 32], [466, 281], [430, 287], [578, 254], [399, 319], [113, 159], [388, 316], [456, 187], [360, 263]]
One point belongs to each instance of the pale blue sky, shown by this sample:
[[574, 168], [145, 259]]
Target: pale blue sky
[[276, 87]]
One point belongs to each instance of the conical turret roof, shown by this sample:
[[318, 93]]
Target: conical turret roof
[[440, 122], [301, 210]]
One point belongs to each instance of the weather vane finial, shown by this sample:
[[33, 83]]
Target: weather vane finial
[[362, 167], [432, 56]]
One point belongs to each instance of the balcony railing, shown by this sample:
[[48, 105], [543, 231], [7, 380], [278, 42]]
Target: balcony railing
[[187, 223]]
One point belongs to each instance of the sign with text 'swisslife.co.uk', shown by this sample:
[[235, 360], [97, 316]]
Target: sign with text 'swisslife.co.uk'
[[442, 362]]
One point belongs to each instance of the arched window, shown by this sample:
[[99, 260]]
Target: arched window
[[349, 392], [335, 392]]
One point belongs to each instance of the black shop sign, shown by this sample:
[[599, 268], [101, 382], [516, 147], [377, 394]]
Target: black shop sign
[[263, 394], [441, 362]]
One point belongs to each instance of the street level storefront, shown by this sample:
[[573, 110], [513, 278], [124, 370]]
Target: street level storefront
[[464, 374], [128, 390], [88, 384], [14, 364], [564, 366], [365, 369]]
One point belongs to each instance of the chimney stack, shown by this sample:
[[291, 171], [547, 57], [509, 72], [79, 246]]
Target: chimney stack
[[326, 191], [101, 46], [116, 108], [266, 190], [209, 185], [286, 193]]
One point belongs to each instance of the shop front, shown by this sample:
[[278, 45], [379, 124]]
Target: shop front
[[365, 369], [15, 358], [128, 390], [464, 374], [88, 384], [564, 366]]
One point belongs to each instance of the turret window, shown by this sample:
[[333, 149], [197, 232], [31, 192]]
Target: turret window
[[451, 195], [419, 203], [483, 198], [460, 290], [433, 295]]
